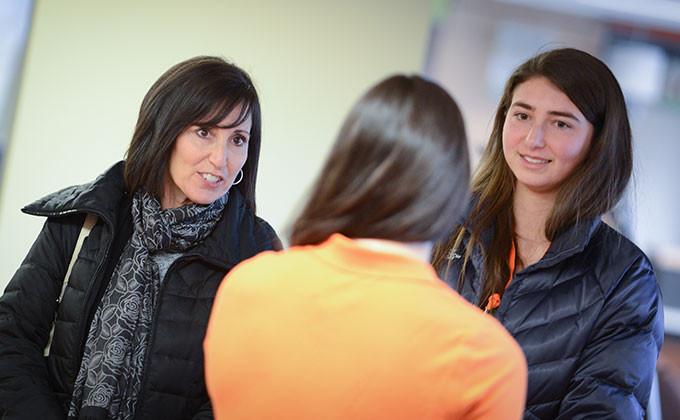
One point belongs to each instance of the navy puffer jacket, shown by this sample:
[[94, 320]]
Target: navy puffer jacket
[[34, 387], [589, 318]]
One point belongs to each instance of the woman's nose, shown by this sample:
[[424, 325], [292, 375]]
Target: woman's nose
[[218, 154], [534, 137]]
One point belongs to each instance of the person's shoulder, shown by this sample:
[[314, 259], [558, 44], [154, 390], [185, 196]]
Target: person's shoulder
[[492, 333], [469, 325], [91, 196], [249, 223], [478, 352], [616, 243], [262, 260], [487, 367], [266, 235], [264, 272], [485, 331], [613, 256]]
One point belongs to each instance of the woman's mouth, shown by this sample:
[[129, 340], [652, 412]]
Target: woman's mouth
[[534, 160], [213, 179]]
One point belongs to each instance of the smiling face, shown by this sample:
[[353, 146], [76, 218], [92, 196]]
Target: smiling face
[[205, 161], [545, 136]]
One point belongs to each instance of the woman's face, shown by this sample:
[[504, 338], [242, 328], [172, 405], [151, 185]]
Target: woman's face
[[205, 161], [545, 136]]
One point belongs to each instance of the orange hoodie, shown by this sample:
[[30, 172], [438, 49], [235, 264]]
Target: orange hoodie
[[339, 331]]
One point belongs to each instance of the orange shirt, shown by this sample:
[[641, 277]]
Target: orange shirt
[[339, 331]]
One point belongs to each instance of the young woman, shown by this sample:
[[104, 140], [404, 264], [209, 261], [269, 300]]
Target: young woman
[[172, 219], [580, 299], [352, 322]]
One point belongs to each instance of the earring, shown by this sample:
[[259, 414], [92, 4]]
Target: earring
[[240, 172]]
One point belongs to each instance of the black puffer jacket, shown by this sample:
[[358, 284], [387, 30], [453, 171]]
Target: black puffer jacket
[[589, 318], [32, 387]]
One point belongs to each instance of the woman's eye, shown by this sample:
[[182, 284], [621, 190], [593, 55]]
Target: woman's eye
[[203, 133], [522, 116], [561, 124], [239, 140]]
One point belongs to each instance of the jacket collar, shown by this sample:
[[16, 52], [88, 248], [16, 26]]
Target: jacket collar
[[102, 197], [570, 242]]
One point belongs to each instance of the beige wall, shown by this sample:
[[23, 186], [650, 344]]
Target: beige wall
[[89, 64]]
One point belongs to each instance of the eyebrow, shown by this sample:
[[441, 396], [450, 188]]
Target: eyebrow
[[556, 113], [235, 131]]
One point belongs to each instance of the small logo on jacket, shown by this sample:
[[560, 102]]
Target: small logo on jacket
[[453, 255]]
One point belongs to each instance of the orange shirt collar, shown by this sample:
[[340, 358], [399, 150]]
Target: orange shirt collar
[[345, 252]]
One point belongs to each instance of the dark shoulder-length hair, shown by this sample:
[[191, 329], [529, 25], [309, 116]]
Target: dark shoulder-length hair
[[399, 169], [592, 189], [199, 90]]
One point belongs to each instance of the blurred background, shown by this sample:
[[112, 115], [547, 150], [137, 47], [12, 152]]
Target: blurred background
[[73, 73]]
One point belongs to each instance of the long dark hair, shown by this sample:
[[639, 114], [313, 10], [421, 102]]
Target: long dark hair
[[199, 90], [398, 170], [592, 189]]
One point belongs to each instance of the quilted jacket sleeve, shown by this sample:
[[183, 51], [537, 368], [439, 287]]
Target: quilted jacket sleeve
[[615, 371], [26, 313]]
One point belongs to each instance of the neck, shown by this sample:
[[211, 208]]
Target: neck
[[419, 250], [170, 198], [169, 203], [531, 211]]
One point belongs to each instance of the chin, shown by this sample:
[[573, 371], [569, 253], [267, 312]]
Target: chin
[[205, 199], [536, 186], [542, 189]]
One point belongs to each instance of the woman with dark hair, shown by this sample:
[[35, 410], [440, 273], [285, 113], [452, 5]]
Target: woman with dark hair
[[580, 298], [352, 321], [129, 318]]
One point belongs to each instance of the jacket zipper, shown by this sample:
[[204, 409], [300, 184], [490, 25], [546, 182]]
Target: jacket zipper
[[507, 296], [152, 337]]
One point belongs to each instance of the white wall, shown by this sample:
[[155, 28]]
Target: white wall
[[656, 196], [89, 63]]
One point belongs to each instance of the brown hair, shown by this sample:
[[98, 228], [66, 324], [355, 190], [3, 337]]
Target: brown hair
[[199, 90], [398, 170], [592, 189]]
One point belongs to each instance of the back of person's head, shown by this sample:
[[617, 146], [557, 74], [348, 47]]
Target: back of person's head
[[199, 90], [399, 169], [598, 182]]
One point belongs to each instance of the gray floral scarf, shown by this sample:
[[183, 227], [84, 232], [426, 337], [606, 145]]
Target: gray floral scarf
[[110, 374]]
